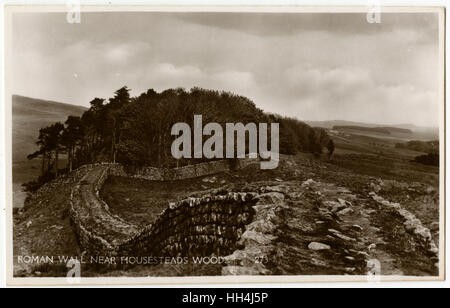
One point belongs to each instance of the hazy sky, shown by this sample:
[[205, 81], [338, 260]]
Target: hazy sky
[[311, 66]]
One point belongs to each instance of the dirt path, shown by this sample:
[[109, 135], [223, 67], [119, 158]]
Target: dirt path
[[94, 213]]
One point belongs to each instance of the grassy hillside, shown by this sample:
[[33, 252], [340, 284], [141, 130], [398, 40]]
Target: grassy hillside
[[28, 116]]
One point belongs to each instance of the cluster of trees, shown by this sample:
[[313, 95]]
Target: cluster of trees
[[136, 131], [53, 140], [429, 147], [296, 136], [431, 159]]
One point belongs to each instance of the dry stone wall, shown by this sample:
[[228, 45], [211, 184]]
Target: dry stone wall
[[196, 226], [98, 231], [257, 242], [191, 171], [412, 224], [211, 224]]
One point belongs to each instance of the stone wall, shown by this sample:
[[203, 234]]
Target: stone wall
[[196, 226], [191, 171], [259, 237], [97, 230], [66, 178], [412, 224], [212, 224]]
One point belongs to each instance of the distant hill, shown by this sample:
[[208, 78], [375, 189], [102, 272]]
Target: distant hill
[[28, 116], [331, 123], [418, 132], [378, 129]]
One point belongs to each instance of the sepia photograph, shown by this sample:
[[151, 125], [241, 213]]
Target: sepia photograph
[[224, 144]]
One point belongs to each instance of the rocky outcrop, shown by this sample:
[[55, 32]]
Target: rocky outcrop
[[258, 238]]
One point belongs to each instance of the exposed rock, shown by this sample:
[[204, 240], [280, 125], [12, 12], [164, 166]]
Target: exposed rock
[[373, 266], [361, 253], [334, 206], [212, 179], [345, 211], [268, 189], [240, 270], [341, 236], [258, 238], [412, 224], [255, 238], [317, 262], [435, 226], [375, 187], [357, 227], [308, 182], [350, 258], [318, 246], [344, 202]]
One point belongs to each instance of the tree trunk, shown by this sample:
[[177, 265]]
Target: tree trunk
[[112, 147], [119, 137], [159, 151], [70, 152], [113, 141], [43, 164], [48, 159], [56, 162]]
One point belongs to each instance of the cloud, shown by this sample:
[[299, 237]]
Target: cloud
[[119, 53], [334, 82], [285, 24], [161, 76], [169, 72], [313, 66]]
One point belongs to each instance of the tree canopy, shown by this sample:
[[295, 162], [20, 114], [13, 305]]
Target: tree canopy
[[136, 131]]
